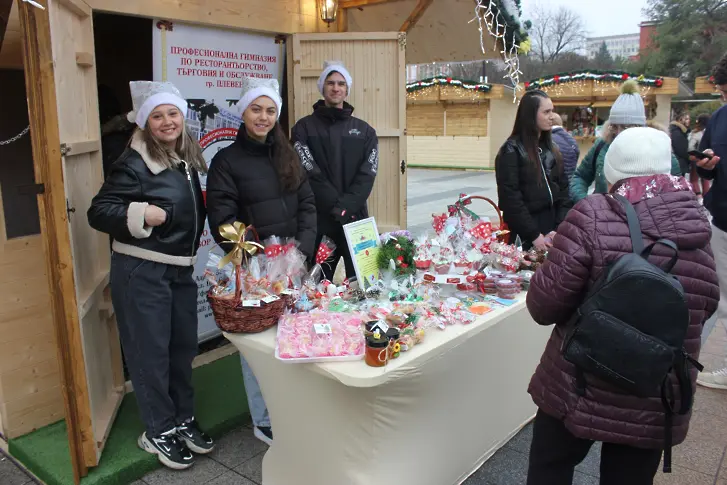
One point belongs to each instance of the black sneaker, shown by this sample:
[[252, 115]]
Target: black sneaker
[[196, 439], [264, 434], [171, 452]]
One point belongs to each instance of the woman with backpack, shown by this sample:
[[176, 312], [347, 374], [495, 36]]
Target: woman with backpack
[[531, 184], [627, 112], [577, 407]]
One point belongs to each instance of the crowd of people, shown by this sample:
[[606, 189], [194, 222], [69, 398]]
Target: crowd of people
[[152, 206], [312, 184], [637, 191]]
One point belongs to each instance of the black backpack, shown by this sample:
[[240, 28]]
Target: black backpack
[[630, 330]]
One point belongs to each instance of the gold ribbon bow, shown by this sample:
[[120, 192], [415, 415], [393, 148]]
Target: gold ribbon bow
[[235, 234]]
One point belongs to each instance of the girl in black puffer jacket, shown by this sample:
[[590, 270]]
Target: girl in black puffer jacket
[[259, 180], [151, 204], [531, 185]]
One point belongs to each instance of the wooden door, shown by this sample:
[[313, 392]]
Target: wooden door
[[376, 61], [59, 59]]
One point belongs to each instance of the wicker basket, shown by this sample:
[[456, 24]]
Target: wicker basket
[[505, 238], [232, 317]]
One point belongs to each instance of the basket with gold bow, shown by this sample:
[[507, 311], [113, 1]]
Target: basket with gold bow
[[234, 315]]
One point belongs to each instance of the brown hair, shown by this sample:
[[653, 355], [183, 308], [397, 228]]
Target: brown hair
[[187, 149], [720, 71], [286, 161]]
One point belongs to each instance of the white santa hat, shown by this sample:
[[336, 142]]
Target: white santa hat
[[147, 95], [334, 66], [253, 88]]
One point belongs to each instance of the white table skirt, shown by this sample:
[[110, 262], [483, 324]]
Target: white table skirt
[[431, 417]]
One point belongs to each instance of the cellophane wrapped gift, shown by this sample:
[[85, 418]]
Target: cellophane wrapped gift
[[423, 252], [222, 280], [323, 255], [320, 336]]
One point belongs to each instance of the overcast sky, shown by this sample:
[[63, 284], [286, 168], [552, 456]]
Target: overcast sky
[[601, 17]]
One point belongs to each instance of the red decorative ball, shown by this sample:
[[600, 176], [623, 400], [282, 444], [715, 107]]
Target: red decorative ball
[[659, 83], [625, 77], [449, 79], [556, 79], [527, 85]]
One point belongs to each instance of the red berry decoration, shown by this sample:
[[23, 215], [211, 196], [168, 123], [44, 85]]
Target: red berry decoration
[[556, 79], [449, 79], [625, 77], [659, 83], [527, 85]]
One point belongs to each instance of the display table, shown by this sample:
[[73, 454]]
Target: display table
[[431, 417]]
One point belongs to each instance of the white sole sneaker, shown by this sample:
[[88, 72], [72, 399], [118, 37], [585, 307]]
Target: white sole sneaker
[[261, 436], [147, 446], [712, 385]]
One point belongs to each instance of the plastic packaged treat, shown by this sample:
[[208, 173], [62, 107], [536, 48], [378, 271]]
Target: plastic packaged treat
[[319, 336], [423, 253]]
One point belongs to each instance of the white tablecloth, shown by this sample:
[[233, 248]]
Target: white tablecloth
[[431, 417]]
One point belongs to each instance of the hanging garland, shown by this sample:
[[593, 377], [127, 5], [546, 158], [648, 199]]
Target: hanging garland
[[501, 19], [448, 81], [618, 76]]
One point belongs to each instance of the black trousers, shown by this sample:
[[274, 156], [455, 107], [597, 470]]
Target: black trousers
[[156, 312], [555, 452]]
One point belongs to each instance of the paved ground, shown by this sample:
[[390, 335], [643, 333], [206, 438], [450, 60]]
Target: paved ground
[[699, 461]]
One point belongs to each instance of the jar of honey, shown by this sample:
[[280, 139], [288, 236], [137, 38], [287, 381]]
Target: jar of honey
[[376, 350]]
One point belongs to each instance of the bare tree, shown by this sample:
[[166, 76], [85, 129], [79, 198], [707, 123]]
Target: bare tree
[[556, 32]]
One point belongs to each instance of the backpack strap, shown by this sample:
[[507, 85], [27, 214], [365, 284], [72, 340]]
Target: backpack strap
[[600, 146], [670, 244], [637, 240]]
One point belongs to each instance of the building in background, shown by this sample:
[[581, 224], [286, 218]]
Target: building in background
[[647, 35], [625, 46]]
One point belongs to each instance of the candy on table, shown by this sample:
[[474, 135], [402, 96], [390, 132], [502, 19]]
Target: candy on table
[[319, 335]]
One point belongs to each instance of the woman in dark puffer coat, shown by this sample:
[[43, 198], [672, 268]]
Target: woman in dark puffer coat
[[594, 235]]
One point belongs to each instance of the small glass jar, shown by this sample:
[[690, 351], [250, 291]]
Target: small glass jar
[[376, 351], [394, 334]]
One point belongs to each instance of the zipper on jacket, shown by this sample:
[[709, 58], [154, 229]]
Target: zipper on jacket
[[545, 176], [194, 200]]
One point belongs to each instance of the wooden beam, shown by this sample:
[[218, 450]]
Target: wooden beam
[[79, 7], [346, 4], [84, 59], [342, 20], [45, 138], [415, 15], [5, 7]]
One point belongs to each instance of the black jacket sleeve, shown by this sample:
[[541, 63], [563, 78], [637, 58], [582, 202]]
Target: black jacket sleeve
[[326, 194], [222, 198], [118, 208], [705, 144], [307, 223], [510, 197], [359, 191]]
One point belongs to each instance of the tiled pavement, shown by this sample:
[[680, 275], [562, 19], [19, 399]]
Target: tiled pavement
[[700, 460]]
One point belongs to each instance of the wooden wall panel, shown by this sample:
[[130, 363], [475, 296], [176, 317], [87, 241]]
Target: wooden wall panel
[[11, 53], [425, 119], [467, 119], [460, 152]]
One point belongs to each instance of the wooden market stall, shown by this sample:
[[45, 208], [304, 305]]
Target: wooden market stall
[[584, 99], [457, 124], [59, 350], [705, 85]]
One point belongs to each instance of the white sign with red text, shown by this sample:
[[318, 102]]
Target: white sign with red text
[[207, 65]]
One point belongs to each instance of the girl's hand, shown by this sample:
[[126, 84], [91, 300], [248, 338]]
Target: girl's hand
[[154, 216], [540, 243]]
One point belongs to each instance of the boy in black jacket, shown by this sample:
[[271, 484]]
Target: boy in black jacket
[[341, 155]]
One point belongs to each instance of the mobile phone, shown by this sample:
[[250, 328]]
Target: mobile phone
[[698, 154]]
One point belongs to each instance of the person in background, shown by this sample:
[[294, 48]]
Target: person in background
[[531, 185], [116, 129], [151, 204], [341, 155], [627, 112], [259, 181], [700, 185], [567, 145], [679, 132], [594, 235], [714, 145]]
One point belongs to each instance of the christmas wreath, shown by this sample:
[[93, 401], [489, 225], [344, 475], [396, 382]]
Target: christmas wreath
[[399, 249]]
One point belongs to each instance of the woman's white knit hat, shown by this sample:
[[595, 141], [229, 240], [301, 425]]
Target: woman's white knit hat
[[637, 152], [334, 66], [253, 88], [147, 95], [628, 109]]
